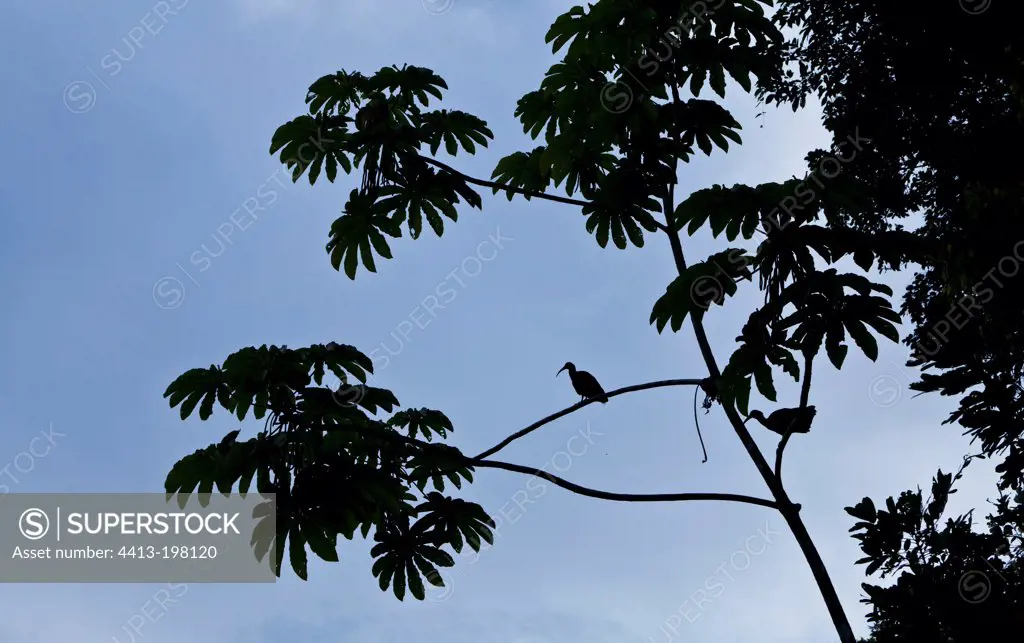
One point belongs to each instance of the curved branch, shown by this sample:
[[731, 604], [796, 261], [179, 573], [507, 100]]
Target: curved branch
[[624, 497], [805, 393], [579, 405], [499, 186]]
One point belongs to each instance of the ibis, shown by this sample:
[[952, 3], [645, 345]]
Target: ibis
[[584, 383], [784, 421]]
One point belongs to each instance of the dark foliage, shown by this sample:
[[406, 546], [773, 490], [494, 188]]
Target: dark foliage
[[938, 90]]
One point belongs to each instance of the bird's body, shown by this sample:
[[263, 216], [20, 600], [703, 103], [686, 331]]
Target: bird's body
[[584, 383], [782, 421]]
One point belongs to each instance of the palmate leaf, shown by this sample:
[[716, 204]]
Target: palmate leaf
[[567, 26], [372, 398], [700, 286], [736, 210], [196, 385], [536, 110], [453, 129], [305, 143], [430, 194], [522, 170], [619, 209], [401, 570], [342, 360], [434, 463], [426, 421], [704, 123], [336, 93], [256, 378], [452, 521], [195, 470], [404, 556], [825, 311], [580, 166], [762, 347], [409, 83], [360, 232], [397, 184]]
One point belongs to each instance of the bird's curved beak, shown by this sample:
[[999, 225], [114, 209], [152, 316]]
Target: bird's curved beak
[[559, 371]]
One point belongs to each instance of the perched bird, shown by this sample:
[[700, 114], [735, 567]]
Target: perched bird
[[584, 383], [781, 421]]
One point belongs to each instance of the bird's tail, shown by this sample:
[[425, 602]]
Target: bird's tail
[[603, 399]]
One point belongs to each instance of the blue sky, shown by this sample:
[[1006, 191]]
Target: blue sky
[[109, 195]]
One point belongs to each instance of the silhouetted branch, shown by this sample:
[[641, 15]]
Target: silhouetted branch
[[499, 186], [579, 405], [623, 497]]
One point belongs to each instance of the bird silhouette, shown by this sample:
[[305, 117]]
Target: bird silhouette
[[584, 383], [781, 421]]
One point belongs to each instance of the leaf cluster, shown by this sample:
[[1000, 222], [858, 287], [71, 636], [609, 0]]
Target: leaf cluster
[[334, 463]]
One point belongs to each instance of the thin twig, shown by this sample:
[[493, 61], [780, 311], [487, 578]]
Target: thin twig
[[697, 424]]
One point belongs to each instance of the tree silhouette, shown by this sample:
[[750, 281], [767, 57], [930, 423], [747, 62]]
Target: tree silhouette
[[618, 114], [939, 88], [953, 584]]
